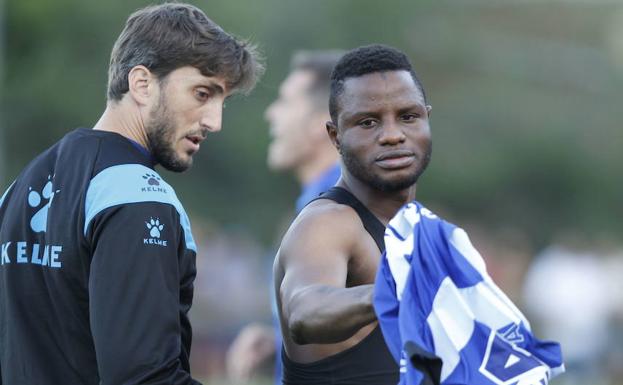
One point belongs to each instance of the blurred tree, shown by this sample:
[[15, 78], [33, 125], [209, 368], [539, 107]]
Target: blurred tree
[[524, 96]]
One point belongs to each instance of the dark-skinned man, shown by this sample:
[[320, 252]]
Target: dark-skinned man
[[326, 265]]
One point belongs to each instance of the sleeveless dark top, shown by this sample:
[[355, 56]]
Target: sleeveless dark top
[[367, 363]]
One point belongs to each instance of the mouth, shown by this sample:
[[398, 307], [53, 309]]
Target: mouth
[[397, 159], [193, 141]]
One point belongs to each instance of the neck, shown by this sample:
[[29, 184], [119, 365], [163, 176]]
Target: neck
[[124, 120], [313, 169], [383, 204]]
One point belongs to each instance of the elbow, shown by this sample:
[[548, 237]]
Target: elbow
[[298, 330]]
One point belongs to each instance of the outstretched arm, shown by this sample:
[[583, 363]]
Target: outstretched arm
[[315, 256]]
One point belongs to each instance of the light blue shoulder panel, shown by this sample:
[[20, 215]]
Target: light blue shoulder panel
[[132, 183]]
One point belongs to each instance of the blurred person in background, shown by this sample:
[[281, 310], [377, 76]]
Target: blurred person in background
[[299, 142], [98, 259], [328, 259], [299, 145], [575, 295]]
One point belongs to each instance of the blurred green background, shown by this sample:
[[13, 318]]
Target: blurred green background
[[525, 96]]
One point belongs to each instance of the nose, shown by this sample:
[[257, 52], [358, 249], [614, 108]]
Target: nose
[[391, 134], [212, 117]]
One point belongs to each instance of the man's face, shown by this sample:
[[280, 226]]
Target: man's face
[[189, 106], [382, 131], [290, 122]]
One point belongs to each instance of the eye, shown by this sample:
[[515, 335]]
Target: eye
[[202, 95], [367, 123], [409, 117]]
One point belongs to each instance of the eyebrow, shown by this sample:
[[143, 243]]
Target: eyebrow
[[358, 115], [406, 108], [411, 107], [215, 88]]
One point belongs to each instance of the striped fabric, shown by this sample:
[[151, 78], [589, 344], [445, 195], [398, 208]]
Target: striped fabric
[[444, 319]]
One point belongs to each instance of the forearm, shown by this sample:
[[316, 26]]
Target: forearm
[[324, 314]]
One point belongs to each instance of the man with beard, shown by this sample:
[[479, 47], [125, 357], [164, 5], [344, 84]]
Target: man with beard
[[326, 266], [98, 259]]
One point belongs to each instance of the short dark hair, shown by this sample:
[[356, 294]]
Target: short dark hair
[[320, 63], [365, 60], [172, 35]]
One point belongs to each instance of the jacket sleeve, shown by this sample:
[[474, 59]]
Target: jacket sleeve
[[134, 295]]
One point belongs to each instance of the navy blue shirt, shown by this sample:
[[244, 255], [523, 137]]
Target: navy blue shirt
[[97, 267]]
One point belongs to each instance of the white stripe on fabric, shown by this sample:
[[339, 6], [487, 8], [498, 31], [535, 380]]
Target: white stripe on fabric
[[454, 311], [399, 244], [451, 323], [461, 242]]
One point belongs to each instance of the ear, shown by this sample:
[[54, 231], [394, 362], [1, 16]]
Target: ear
[[429, 108], [142, 85], [315, 122], [333, 135]]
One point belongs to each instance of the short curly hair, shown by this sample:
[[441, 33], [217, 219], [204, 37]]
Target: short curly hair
[[365, 60]]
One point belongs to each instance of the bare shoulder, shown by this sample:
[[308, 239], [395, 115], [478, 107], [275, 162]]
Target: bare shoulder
[[325, 217], [323, 226]]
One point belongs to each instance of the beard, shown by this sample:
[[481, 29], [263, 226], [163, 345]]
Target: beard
[[366, 174], [161, 137]]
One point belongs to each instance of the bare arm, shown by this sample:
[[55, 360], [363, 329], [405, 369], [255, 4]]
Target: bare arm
[[325, 314], [316, 304]]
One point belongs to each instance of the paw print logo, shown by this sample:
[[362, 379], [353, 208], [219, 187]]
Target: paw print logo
[[154, 227], [152, 179], [38, 222]]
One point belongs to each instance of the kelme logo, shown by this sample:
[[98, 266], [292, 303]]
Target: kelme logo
[[155, 229], [152, 180], [36, 199], [153, 184]]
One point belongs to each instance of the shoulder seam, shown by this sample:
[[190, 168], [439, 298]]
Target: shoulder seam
[[102, 193]]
